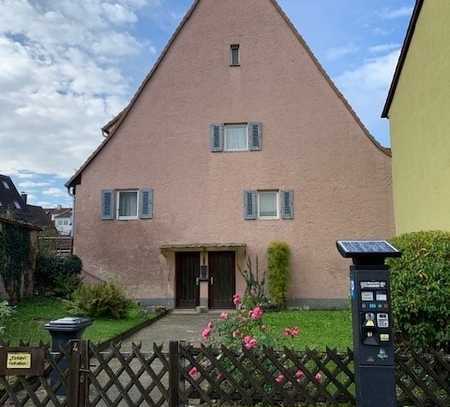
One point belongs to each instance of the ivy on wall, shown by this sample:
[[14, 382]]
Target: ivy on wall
[[14, 258]]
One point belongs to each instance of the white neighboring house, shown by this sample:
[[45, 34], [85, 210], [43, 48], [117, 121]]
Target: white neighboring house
[[62, 218]]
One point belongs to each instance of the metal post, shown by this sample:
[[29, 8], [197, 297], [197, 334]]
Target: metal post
[[174, 373]]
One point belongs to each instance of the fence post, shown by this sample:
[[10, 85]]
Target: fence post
[[174, 373], [74, 374]]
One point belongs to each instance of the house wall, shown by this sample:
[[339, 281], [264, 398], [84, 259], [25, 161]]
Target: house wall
[[420, 123], [311, 144]]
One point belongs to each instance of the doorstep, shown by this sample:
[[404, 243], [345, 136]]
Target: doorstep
[[199, 310]]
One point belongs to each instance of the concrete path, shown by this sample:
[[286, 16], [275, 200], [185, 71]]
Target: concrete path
[[175, 326]]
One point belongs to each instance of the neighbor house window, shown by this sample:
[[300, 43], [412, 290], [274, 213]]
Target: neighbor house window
[[234, 55], [17, 205], [268, 205], [236, 137], [127, 204], [5, 184]]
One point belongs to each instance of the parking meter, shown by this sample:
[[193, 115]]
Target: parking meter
[[373, 345]]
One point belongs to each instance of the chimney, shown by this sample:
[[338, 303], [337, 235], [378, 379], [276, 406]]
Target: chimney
[[24, 197]]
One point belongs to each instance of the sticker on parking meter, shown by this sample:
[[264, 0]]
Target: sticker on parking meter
[[373, 284], [367, 296], [381, 297]]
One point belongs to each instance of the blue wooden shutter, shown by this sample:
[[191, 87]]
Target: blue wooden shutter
[[146, 203], [250, 205], [216, 137], [287, 204], [107, 204], [255, 136]]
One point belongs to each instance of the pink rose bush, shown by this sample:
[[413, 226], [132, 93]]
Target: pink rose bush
[[250, 342], [256, 313]]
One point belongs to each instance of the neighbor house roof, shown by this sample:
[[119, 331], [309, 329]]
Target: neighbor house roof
[[402, 58], [112, 126], [59, 212], [11, 201]]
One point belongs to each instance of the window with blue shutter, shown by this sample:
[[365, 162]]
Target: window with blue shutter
[[146, 203], [250, 205], [287, 204], [107, 204], [255, 136], [216, 137]]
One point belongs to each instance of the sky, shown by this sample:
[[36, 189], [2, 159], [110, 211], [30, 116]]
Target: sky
[[67, 67]]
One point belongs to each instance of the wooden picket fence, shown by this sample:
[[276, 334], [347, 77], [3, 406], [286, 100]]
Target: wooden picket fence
[[184, 375]]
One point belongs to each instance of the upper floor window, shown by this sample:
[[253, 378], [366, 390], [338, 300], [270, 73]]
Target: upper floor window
[[127, 205], [268, 205], [236, 137], [234, 55]]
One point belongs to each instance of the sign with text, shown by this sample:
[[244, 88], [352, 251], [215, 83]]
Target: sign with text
[[22, 361]]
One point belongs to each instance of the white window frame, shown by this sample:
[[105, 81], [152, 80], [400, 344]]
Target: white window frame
[[231, 126], [118, 204], [277, 199]]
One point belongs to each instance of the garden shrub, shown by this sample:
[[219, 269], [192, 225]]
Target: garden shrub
[[420, 287], [104, 300], [5, 313], [278, 265], [59, 276]]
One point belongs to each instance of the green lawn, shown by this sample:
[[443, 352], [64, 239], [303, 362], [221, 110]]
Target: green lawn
[[318, 329], [32, 314]]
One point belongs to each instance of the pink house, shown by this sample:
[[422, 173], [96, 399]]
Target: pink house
[[237, 137]]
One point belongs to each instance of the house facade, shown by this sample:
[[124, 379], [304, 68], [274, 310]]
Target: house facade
[[417, 107], [62, 219], [236, 138]]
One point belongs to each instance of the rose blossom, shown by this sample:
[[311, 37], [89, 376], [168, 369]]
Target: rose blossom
[[236, 299], [193, 372], [280, 379], [318, 378], [224, 316], [256, 313], [250, 342], [206, 333], [299, 375]]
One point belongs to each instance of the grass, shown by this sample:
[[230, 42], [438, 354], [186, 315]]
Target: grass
[[318, 329], [32, 314]]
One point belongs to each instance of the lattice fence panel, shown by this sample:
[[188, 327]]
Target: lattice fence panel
[[132, 379]]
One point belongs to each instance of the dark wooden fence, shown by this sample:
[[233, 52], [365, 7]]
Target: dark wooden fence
[[59, 245], [183, 375]]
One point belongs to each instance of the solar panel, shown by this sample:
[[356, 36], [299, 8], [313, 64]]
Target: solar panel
[[351, 248]]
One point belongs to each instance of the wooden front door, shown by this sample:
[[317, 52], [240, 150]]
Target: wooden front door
[[187, 272], [222, 279]]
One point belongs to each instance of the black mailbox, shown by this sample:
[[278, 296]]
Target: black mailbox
[[372, 321]]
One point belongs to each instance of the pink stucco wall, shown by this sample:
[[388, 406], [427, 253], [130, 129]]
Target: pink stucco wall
[[312, 144]]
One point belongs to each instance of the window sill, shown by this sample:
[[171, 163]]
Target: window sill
[[125, 219], [235, 65]]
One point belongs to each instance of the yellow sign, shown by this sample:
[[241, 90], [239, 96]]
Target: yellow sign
[[18, 361]]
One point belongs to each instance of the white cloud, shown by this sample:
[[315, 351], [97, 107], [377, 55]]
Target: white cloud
[[60, 79], [32, 184], [56, 192], [335, 53], [390, 14], [367, 85], [383, 48]]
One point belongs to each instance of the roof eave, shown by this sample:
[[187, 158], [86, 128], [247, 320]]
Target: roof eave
[[402, 57]]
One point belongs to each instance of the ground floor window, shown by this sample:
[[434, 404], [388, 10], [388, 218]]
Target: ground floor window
[[127, 205]]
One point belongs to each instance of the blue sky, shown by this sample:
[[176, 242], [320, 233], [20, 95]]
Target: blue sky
[[68, 67]]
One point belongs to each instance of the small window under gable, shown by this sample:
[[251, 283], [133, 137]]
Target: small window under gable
[[234, 55], [5, 184], [17, 205], [127, 205]]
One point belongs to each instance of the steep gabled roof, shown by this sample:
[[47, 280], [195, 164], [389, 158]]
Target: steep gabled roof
[[112, 126], [402, 58]]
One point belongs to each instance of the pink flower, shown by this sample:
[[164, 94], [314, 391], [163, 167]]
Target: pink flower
[[256, 313], [210, 325], [299, 375], [280, 379], [193, 372], [250, 342], [206, 333], [318, 378], [236, 299], [292, 332], [224, 316]]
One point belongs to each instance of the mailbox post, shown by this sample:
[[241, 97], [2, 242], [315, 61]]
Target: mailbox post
[[372, 321]]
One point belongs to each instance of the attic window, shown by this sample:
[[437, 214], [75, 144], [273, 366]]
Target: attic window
[[234, 55], [17, 205], [5, 184]]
